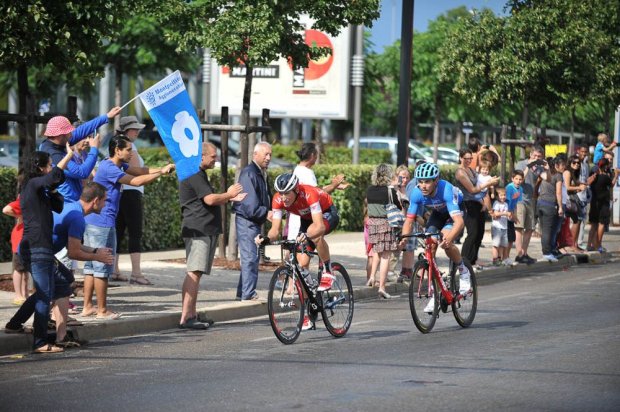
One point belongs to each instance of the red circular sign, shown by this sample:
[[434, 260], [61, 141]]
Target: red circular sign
[[317, 68]]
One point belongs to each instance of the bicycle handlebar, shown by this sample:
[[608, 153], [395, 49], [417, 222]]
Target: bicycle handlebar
[[423, 235], [291, 245]]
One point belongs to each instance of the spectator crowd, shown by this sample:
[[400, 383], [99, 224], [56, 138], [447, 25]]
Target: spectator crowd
[[65, 211]]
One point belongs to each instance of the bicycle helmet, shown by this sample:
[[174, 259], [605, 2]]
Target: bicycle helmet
[[427, 171], [285, 183]]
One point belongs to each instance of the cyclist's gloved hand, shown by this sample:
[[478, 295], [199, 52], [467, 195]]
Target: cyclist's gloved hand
[[302, 237], [260, 240]]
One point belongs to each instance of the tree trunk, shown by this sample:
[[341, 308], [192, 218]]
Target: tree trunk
[[245, 115], [26, 131], [525, 119], [571, 141], [459, 135], [319, 139], [436, 128]]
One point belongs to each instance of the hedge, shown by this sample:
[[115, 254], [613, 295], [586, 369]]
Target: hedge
[[162, 213]]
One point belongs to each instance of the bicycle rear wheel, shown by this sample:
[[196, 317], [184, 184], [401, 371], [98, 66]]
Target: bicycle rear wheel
[[337, 303], [421, 294], [285, 305], [464, 306]]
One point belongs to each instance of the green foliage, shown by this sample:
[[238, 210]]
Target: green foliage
[[256, 33], [333, 154], [543, 69], [162, 215], [155, 156], [61, 34]]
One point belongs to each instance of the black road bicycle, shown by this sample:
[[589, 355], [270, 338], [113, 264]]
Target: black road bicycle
[[290, 295]]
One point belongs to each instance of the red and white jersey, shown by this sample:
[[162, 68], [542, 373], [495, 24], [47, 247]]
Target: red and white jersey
[[309, 200]]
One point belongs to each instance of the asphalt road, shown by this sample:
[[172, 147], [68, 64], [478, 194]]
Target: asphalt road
[[545, 342]]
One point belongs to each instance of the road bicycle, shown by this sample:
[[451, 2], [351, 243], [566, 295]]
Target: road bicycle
[[427, 279], [290, 295]]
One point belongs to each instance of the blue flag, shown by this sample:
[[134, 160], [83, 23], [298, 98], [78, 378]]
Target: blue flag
[[177, 122]]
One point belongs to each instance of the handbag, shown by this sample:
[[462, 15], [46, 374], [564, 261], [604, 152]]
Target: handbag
[[395, 216], [571, 203]]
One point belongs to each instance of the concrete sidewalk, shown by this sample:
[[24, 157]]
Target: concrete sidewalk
[[158, 307]]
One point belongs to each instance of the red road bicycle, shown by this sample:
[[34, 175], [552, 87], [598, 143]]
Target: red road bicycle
[[425, 303]]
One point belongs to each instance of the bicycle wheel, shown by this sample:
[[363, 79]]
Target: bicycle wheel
[[464, 306], [421, 294], [285, 305], [337, 303]]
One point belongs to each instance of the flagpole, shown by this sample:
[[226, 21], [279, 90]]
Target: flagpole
[[125, 105]]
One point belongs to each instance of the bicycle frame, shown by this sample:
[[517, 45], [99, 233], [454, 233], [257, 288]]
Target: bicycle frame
[[293, 264], [429, 245]]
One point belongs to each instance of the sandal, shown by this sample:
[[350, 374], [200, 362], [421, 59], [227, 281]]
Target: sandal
[[118, 277], [109, 316], [48, 348], [371, 282], [140, 280], [88, 314]]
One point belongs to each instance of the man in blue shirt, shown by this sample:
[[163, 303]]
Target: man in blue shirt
[[443, 200]]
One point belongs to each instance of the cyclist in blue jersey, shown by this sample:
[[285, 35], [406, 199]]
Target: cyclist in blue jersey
[[443, 200]]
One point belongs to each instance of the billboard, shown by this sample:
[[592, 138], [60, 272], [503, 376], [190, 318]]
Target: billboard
[[320, 91]]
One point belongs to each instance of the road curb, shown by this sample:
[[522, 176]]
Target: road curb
[[143, 324]]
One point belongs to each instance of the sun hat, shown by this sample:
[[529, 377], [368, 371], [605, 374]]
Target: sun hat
[[58, 125], [130, 122]]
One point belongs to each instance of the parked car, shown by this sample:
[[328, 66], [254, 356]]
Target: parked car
[[444, 154], [417, 151], [7, 161]]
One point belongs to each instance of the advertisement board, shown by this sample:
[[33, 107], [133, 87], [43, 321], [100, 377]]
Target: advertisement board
[[319, 91]]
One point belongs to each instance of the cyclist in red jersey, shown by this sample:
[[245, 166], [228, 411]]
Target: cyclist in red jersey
[[319, 217]]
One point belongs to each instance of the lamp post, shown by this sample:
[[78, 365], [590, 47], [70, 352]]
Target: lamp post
[[357, 81]]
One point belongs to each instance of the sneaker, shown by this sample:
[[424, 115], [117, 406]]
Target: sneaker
[[430, 306], [529, 260], [519, 259], [509, 262], [549, 258], [326, 282], [602, 249], [464, 284], [497, 262], [308, 324], [478, 268]]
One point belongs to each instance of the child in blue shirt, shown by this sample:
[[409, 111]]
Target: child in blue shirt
[[603, 146], [514, 195]]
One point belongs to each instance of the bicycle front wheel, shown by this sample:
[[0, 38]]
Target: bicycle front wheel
[[337, 302], [423, 301], [464, 306], [285, 305]]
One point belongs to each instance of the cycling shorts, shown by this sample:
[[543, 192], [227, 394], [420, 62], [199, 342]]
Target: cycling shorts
[[330, 220]]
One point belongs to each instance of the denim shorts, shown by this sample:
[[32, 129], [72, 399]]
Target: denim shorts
[[96, 237]]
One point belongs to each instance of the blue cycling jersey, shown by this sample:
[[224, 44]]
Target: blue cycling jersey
[[446, 199]]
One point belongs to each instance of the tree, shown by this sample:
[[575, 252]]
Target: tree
[[55, 35], [141, 48], [253, 33], [545, 57]]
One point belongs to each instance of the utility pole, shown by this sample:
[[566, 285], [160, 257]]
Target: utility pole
[[357, 81], [404, 95]]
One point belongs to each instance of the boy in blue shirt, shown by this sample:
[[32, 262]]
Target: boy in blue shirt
[[514, 195]]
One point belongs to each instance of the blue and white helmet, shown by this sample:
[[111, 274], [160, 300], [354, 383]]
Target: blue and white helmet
[[427, 171]]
